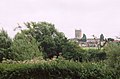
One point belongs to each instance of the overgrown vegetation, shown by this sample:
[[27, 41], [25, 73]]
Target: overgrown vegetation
[[42, 52]]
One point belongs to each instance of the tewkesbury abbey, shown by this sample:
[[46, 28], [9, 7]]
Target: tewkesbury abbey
[[83, 41]]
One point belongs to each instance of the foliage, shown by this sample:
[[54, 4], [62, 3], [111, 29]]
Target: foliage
[[72, 51], [84, 55], [84, 38], [94, 55], [73, 63], [113, 54], [32, 61], [57, 70], [25, 47], [5, 44], [101, 37], [50, 40]]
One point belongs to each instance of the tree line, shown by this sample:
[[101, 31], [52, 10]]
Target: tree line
[[43, 41]]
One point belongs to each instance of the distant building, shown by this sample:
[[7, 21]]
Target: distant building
[[91, 42], [78, 34]]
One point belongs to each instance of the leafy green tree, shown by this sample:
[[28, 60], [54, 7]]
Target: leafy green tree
[[25, 47], [84, 38], [50, 40], [5, 44], [73, 51], [101, 37]]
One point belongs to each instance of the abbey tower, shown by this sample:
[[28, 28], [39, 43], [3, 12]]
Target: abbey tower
[[78, 34]]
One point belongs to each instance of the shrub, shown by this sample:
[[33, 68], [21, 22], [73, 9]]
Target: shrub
[[113, 54], [73, 51], [94, 55], [57, 70], [84, 55]]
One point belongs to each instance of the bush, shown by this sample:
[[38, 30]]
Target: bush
[[83, 55], [94, 55], [57, 70], [73, 51], [113, 54]]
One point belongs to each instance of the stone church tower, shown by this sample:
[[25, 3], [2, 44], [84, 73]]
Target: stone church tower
[[78, 34]]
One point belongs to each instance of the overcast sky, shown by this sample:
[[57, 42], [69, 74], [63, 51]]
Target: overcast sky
[[92, 16]]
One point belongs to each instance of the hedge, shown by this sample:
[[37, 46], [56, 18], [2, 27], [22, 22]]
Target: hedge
[[88, 55], [57, 70]]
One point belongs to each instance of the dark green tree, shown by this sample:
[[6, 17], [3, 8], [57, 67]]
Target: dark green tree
[[25, 47], [73, 51], [5, 45], [84, 38], [101, 37], [51, 40]]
